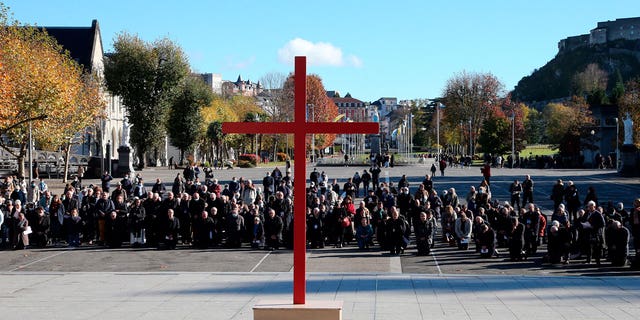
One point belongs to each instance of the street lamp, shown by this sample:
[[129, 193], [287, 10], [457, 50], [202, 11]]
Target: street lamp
[[257, 119], [313, 136]]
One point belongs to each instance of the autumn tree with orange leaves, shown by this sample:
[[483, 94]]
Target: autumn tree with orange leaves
[[42, 85], [325, 110]]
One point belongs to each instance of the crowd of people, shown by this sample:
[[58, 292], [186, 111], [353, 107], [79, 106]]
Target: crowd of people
[[363, 211]]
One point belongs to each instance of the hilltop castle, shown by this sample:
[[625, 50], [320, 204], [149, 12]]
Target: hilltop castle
[[627, 29]]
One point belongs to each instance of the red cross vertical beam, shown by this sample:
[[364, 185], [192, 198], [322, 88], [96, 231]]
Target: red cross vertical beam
[[300, 128]]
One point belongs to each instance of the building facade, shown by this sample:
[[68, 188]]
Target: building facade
[[85, 47]]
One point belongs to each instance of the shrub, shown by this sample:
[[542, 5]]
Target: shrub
[[245, 164], [282, 156], [253, 158]]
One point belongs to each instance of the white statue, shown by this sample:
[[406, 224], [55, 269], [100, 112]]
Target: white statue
[[125, 133], [628, 129]]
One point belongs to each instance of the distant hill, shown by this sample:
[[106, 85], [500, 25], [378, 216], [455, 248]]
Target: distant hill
[[554, 79]]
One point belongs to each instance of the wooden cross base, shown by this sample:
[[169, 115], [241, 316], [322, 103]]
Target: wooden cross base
[[285, 310]]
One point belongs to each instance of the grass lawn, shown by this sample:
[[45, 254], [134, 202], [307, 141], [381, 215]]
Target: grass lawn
[[538, 150]]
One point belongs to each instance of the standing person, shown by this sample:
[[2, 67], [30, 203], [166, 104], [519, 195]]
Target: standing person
[[486, 172], [268, 185], [159, 188], [443, 165], [557, 193], [375, 177], [572, 197], [531, 220], [366, 179], [591, 196], [178, 185], [595, 231], [433, 170], [106, 181], [515, 189], [527, 189]]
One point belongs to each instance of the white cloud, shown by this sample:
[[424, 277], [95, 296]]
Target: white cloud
[[318, 54]]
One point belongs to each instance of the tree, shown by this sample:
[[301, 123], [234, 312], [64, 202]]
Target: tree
[[39, 80], [185, 126], [592, 82], [324, 109], [216, 138], [145, 76], [470, 96], [534, 125], [568, 126], [495, 136], [630, 104]]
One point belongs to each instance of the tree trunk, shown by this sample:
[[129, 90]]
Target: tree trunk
[[67, 153], [181, 156], [22, 153]]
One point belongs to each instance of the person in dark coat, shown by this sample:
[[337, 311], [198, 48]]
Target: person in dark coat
[[273, 230], [40, 228], [114, 230], [559, 243], [257, 242], [169, 231], [235, 229], [594, 229], [137, 215], [396, 228], [74, 227], [516, 240], [203, 229], [531, 221], [557, 193], [424, 234], [315, 232], [618, 243], [486, 241]]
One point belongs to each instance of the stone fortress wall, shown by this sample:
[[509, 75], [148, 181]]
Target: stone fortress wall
[[627, 29]]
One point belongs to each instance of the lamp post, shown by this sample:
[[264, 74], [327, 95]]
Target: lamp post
[[513, 137], [617, 145], [470, 141], [313, 136], [257, 118]]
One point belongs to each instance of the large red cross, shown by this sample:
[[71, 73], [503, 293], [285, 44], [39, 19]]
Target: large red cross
[[299, 128]]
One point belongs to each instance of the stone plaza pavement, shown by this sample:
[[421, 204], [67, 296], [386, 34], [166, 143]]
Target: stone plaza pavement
[[193, 295]]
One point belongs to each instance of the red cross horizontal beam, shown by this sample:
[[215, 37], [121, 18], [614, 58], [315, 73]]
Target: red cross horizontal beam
[[292, 127]]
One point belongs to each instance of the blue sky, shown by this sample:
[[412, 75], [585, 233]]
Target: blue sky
[[403, 49]]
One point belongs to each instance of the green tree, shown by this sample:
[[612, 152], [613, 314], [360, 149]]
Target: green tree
[[145, 75], [216, 138], [495, 136], [185, 117], [534, 126], [568, 126]]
